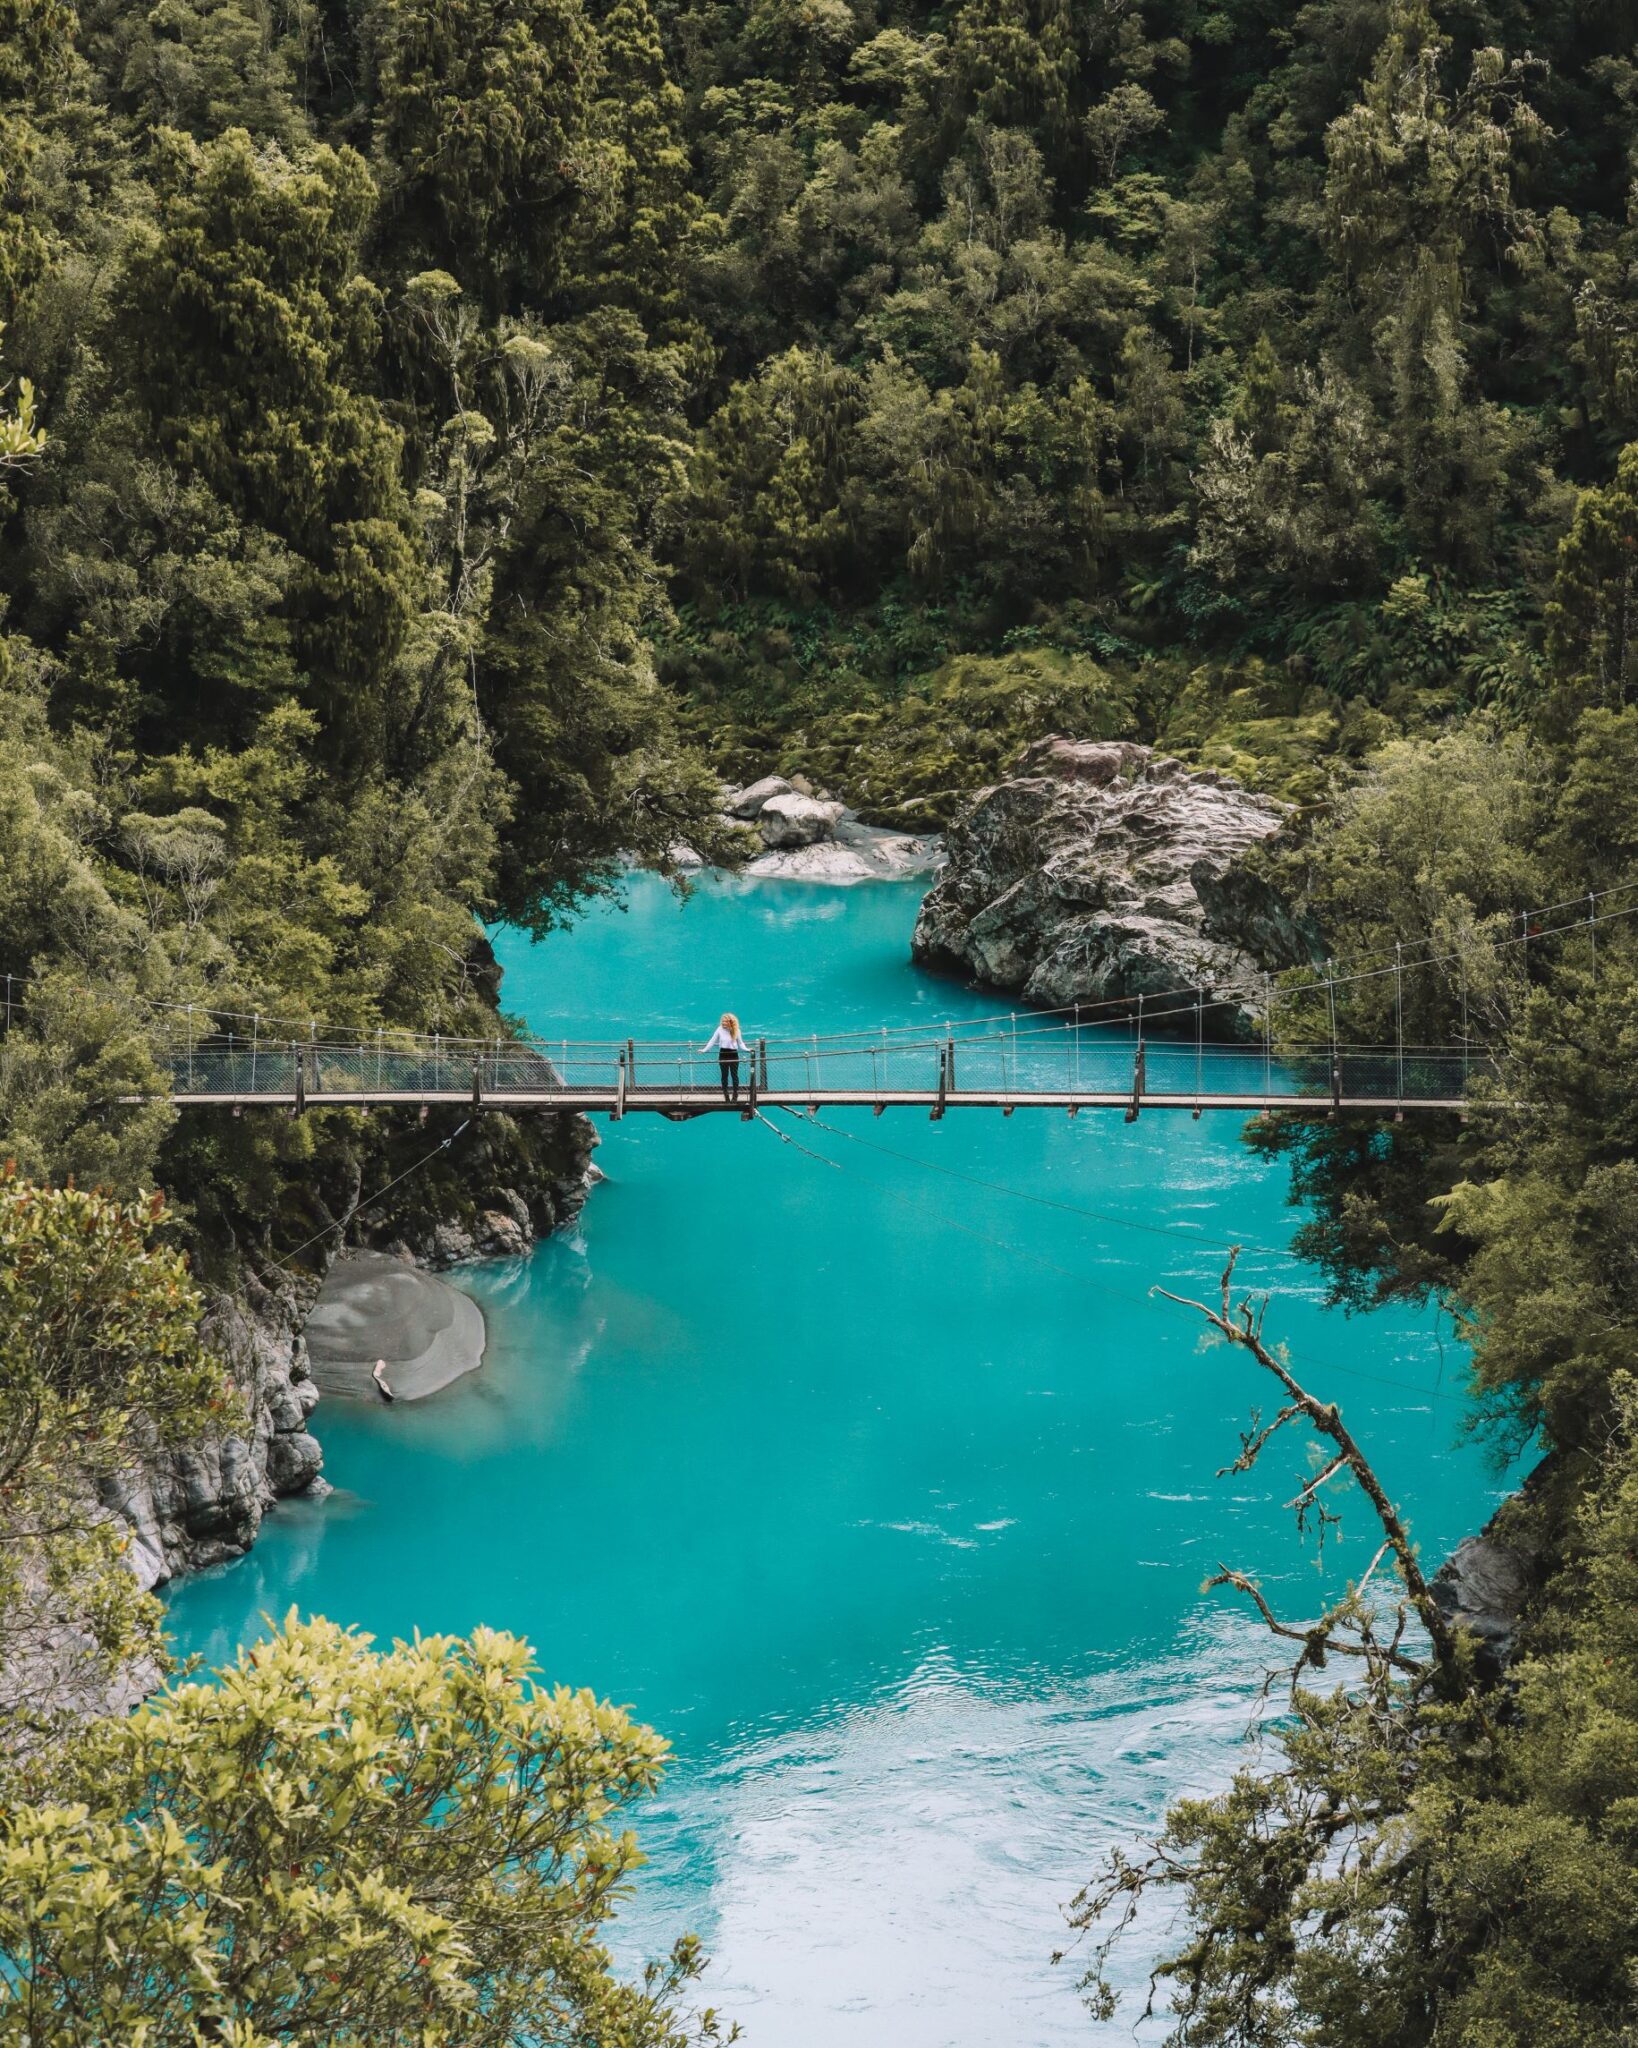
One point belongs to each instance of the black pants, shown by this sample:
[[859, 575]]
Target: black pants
[[728, 1063]]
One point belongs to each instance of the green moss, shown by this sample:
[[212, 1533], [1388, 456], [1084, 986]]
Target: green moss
[[911, 760]]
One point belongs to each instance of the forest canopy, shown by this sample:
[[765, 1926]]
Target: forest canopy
[[439, 441]]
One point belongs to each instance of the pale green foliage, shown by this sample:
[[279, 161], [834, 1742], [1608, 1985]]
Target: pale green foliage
[[1435, 847], [22, 438], [1292, 490], [1593, 615], [343, 1846], [100, 1360]]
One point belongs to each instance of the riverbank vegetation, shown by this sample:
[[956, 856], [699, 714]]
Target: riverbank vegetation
[[432, 1851], [1447, 1857], [430, 1845]]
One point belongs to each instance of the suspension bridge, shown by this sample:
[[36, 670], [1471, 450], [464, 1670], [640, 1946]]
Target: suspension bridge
[[1184, 1050], [1070, 1062]]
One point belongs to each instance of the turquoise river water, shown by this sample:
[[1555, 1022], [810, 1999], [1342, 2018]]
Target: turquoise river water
[[886, 1497]]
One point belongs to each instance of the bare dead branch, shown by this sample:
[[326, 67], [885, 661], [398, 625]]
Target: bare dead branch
[[1300, 1500], [1365, 1578], [1241, 1324], [1253, 1439]]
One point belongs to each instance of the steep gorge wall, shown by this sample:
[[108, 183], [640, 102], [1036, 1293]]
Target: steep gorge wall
[[204, 1504]]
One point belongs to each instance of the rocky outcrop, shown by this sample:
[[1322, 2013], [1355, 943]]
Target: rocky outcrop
[[792, 820], [1489, 1582], [376, 1311], [1102, 870], [204, 1504], [808, 836]]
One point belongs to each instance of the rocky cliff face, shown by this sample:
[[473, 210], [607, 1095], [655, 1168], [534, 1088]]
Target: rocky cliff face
[[204, 1504], [1102, 870], [514, 1180], [1491, 1581], [517, 1181]]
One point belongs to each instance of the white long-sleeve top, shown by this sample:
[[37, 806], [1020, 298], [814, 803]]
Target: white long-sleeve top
[[721, 1040]]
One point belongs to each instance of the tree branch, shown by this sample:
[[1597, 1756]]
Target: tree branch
[[1242, 1323]]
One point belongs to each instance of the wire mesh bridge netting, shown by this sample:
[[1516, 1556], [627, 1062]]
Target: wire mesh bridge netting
[[1010, 1059]]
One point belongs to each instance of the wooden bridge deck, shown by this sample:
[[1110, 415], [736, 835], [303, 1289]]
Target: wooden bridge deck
[[682, 1103]]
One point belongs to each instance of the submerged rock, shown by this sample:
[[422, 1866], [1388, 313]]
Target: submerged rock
[[203, 1503], [1102, 870], [372, 1306]]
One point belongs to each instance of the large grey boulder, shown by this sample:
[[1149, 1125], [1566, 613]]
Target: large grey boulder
[[855, 853], [746, 804], [1102, 870], [795, 820]]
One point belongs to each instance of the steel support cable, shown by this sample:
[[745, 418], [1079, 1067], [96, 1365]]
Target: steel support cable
[[785, 1138], [376, 1197], [1144, 1301], [1120, 1004]]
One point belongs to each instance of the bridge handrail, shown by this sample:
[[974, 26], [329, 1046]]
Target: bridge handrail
[[838, 1043]]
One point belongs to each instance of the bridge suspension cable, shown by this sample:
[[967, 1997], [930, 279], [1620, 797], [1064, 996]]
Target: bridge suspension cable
[[1072, 1056], [285, 1028]]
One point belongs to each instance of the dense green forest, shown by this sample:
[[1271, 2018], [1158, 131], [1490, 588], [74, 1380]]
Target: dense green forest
[[445, 435], [467, 428]]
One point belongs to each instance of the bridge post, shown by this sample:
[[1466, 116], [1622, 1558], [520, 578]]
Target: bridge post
[[762, 1064], [298, 1061], [631, 1060], [949, 1053], [749, 1111], [1199, 1052], [312, 1033], [620, 1091], [477, 1082], [1399, 1010], [943, 1083], [1137, 1084]]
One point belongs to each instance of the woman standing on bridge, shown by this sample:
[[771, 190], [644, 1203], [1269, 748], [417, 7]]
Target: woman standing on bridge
[[726, 1042]]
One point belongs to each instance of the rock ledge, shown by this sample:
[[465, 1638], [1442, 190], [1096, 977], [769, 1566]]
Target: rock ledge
[[1102, 870]]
